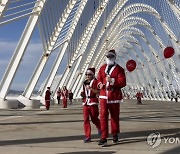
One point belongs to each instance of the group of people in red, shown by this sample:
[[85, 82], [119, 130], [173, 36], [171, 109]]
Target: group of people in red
[[105, 91], [64, 93], [65, 96]]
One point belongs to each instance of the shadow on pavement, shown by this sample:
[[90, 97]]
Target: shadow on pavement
[[39, 122], [90, 152], [125, 137], [174, 150]]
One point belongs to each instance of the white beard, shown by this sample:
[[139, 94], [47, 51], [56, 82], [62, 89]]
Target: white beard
[[110, 61]]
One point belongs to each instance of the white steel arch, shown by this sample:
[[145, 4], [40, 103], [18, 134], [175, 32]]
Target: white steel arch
[[125, 25], [168, 29], [53, 38], [83, 43], [61, 54], [15, 61]]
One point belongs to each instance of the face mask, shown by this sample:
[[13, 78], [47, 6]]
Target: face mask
[[110, 61]]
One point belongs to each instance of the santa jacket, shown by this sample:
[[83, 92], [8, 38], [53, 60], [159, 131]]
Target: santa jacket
[[64, 93], [112, 90], [47, 95], [90, 98]]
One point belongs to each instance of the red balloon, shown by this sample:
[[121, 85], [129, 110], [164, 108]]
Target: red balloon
[[168, 52], [130, 65]]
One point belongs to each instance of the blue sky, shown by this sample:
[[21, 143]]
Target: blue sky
[[9, 36]]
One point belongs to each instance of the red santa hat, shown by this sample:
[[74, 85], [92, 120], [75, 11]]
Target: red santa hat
[[111, 52], [90, 71]]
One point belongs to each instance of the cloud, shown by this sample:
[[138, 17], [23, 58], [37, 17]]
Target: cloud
[[34, 48], [29, 60], [6, 46], [3, 62], [9, 46], [32, 54]]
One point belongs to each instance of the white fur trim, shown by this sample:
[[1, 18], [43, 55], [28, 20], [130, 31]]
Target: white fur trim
[[104, 97], [110, 53], [112, 69], [114, 101], [92, 103], [89, 72]]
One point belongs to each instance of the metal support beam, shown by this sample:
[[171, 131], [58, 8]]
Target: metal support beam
[[20, 49], [36, 75], [3, 5], [55, 67]]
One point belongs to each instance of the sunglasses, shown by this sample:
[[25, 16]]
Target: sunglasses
[[88, 74], [110, 56]]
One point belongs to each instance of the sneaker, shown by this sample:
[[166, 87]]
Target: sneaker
[[102, 142], [115, 139], [87, 140]]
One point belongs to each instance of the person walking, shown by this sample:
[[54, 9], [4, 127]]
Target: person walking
[[139, 96], [47, 98], [111, 78], [64, 96], [70, 97], [59, 95], [90, 104]]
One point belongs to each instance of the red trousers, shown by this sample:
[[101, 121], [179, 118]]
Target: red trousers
[[93, 112], [64, 102], [114, 110], [47, 104]]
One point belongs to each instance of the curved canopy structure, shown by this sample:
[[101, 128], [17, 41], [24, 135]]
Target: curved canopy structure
[[72, 35]]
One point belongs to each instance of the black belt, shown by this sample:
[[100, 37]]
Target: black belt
[[91, 97]]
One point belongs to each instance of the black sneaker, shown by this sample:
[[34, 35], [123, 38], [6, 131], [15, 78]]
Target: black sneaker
[[87, 140], [102, 142], [115, 139]]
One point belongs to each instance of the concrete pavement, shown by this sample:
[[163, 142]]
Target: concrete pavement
[[60, 131]]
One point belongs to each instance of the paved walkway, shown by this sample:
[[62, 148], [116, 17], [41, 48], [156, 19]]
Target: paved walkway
[[60, 131]]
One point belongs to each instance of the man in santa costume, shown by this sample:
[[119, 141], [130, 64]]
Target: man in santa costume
[[47, 98], [64, 96], [111, 78], [90, 104]]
